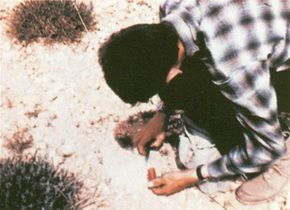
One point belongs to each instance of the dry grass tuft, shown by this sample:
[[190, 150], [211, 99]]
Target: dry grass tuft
[[61, 21], [19, 141]]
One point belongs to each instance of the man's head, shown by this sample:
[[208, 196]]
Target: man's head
[[137, 59]]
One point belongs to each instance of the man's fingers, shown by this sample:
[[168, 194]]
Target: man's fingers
[[159, 140], [156, 183], [158, 191], [161, 191], [159, 187], [137, 137], [141, 149], [141, 138]]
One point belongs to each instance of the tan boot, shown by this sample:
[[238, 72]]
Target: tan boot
[[267, 185]]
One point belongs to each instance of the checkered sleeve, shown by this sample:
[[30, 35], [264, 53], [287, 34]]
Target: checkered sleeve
[[250, 90]]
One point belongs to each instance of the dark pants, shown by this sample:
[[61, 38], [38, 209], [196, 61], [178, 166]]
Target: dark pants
[[281, 83]]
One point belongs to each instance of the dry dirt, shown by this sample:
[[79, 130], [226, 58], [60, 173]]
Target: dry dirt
[[57, 97]]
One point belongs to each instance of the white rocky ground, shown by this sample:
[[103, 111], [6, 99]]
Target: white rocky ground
[[58, 93]]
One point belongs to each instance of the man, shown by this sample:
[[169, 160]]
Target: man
[[241, 41]]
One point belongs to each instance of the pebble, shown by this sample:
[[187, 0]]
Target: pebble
[[67, 150]]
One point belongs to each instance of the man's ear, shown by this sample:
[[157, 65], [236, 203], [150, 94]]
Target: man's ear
[[181, 53], [175, 70], [172, 73]]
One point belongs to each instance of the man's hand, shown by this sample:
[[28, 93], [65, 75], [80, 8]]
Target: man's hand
[[173, 182], [152, 130]]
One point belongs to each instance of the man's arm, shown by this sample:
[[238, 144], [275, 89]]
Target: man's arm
[[172, 182], [254, 99], [165, 123], [154, 129], [256, 108]]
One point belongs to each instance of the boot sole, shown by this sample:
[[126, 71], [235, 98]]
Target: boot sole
[[272, 198]]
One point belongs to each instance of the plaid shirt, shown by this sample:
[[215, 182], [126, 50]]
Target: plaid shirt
[[245, 38]]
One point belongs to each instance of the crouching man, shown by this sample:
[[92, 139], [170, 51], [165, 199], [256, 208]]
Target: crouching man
[[239, 44]]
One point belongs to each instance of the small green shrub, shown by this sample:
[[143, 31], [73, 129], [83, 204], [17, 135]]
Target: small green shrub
[[32, 183], [54, 20]]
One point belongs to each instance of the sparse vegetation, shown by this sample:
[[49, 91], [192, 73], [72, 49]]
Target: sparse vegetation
[[53, 20], [31, 182], [19, 141]]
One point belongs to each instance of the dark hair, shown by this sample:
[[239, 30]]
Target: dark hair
[[137, 59]]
